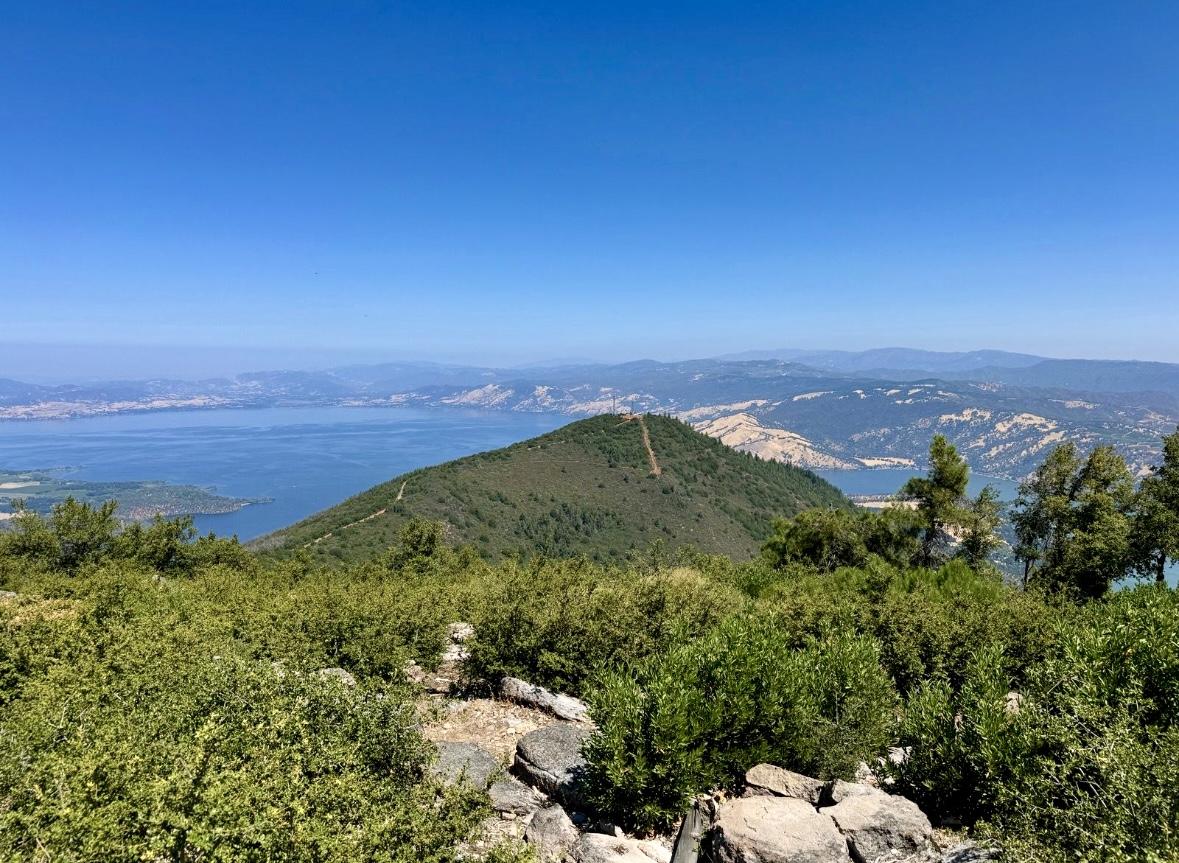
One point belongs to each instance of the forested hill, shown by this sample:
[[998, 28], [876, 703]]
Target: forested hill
[[592, 488]]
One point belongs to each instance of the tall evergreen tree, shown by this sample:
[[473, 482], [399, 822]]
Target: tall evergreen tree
[[1072, 521], [940, 496], [1154, 536]]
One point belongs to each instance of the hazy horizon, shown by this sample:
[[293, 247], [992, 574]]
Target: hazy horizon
[[63, 364]]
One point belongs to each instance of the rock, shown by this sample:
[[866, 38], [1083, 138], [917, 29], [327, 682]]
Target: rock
[[969, 852], [655, 850], [774, 830], [562, 706], [838, 791], [551, 832], [773, 781], [512, 795], [459, 632], [865, 775], [339, 674], [599, 848], [1013, 703], [550, 759], [458, 760], [881, 827]]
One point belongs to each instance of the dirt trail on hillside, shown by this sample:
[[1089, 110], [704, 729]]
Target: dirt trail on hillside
[[328, 535], [655, 470], [401, 491]]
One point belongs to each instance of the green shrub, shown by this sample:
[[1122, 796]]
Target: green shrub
[[928, 622], [1087, 768], [147, 732], [964, 744], [555, 622], [699, 715]]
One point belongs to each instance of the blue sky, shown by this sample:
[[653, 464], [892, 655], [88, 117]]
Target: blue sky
[[294, 182]]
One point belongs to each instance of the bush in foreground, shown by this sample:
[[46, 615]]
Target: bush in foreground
[[699, 715]]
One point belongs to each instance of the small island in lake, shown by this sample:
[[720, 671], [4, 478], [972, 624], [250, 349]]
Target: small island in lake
[[138, 501]]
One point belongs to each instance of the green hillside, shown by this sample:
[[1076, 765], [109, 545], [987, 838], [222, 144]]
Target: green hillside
[[589, 488]]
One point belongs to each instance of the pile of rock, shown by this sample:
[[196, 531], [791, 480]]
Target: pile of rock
[[785, 816], [782, 817], [542, 798]]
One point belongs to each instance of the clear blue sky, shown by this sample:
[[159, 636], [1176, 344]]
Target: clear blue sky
[[506, 182]]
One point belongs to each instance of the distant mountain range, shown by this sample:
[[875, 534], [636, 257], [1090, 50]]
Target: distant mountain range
[[816, 409], [603, 487]]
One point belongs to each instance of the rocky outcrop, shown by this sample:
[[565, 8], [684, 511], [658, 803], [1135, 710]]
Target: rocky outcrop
[[465, 761], [785, 817], [551, 832], [550, 759], [774, 830], [881, 827], [768, 780], [511, 795], [561, 706], [600, 848]]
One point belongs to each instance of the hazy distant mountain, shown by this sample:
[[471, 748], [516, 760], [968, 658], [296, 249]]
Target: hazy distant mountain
[[1003, 417], [894, 359], [1114, 376]]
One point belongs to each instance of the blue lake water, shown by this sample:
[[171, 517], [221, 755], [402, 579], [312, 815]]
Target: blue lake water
[[890, 480], [306, 459]]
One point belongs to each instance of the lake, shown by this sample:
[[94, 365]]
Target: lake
[[890, 480], [306, 459]]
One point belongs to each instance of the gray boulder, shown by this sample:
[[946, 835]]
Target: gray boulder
[[881, 827], [838, 791], [457, 761], [561, 706], [550, 759], [775, 830], [599, 848], [512, 795], [552, 832], [768, 780]]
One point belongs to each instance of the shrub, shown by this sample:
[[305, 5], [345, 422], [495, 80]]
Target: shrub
[[1088, 767], [151, 735], [964, 744], [554, 622], [699, 715]]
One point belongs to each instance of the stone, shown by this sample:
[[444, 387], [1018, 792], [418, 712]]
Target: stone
[[881, 827], [969, 852], [550, 759], [552, 832], [771, 780], [774, 830], [338, 674], [459, 632], [655, 850], [561, 706], [512, 795], [457, 761], [599, 848], [838, 791]]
